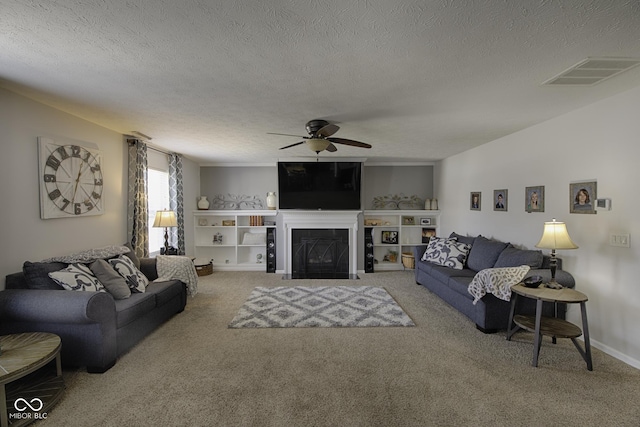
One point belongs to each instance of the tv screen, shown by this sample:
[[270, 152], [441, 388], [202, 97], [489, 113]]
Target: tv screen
[[319, 185]]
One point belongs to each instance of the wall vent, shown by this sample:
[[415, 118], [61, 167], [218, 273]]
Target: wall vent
[[592, 71]]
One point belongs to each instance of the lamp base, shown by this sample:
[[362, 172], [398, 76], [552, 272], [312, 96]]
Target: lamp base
[[553, 285]]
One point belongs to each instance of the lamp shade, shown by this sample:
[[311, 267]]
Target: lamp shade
[[555, 236], [165, 219], [317, 144]]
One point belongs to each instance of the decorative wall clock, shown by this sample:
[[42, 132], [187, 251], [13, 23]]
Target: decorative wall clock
[[71, 182]]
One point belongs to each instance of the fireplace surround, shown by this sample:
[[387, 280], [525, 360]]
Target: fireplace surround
[[330, 237], [320, 253]]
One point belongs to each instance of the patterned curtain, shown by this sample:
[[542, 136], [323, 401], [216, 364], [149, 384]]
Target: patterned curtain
[[176, 201], [138, 207]]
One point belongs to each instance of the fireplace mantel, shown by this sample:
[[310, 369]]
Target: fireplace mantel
[[322, 220]]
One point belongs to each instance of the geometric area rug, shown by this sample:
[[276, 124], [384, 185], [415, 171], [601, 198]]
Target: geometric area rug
[[320, 307]]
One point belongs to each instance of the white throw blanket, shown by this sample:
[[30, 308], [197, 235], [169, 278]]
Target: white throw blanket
[[171, 267], [497, 281]]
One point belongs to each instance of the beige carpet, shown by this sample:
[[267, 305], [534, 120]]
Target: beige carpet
[[194, 371]]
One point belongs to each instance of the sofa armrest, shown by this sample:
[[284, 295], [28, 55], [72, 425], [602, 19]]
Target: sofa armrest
[[53, 306], [418, 251]]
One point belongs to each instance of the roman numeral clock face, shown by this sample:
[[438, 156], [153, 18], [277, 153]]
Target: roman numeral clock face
[[70, 180]]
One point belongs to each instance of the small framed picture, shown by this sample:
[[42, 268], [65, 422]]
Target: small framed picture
[[534, 199], [475, 200], [389, 237], [228, 222], [427, 234], [425, 221], [500, 200], [583, 196], [408, 220], [203, 222]]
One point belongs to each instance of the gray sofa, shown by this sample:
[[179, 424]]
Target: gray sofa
[[95, 328], [490, 314]]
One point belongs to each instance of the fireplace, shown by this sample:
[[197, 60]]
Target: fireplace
[[320, 253], [326, 240]]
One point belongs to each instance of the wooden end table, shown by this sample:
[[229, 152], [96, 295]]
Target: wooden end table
[[550, 326], [27, 391]]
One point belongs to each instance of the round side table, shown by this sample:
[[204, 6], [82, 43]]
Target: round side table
[[27, 389], [550, 326]]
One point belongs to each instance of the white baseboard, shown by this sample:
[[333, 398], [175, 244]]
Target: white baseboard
[[615, 353]]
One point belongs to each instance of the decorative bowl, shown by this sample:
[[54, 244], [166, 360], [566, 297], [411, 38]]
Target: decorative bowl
[[532, 282]]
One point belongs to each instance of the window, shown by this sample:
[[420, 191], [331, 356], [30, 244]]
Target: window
[[158, 200]]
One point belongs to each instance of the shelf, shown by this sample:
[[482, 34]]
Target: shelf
[[241, 256], [409, 235], [550, 326]]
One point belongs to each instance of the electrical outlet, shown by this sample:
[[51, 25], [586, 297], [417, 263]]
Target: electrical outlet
[[620, 240]]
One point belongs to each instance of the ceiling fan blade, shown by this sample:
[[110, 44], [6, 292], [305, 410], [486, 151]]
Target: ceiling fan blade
[[287, 134], [328, 130], [332, 148], [349, 142], [293, 145]]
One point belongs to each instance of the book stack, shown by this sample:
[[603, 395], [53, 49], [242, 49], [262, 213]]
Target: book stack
[[256, 220]]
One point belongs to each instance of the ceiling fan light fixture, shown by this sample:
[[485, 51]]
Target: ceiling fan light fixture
[[317, 144]]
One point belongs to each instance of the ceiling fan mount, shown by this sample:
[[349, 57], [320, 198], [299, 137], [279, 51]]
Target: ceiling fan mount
[[320, 137], [314, 126]]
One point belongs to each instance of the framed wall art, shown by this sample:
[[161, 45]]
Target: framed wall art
[[389, 237], [582, 196], [534, 199], [71, 183], [500, 200], [475, 201]]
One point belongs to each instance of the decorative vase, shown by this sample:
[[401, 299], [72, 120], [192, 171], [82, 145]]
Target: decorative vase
[[271, 200], [427, 204], [434, 204], [203, 203]]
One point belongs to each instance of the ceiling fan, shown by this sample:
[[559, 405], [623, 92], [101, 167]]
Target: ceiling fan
[[320, 138]]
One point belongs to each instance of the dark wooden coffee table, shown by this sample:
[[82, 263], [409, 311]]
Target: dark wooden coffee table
[[27, 389], [550, 326]]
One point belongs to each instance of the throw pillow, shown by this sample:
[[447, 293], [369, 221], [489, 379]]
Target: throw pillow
[[77, 277], [111, 279], [132, 254], [484, 253], [514, 257], [135, 279], [460, 238], [37, 274], [446, 252]]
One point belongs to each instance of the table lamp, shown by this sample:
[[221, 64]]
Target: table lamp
[[555, 236], [165, 219]]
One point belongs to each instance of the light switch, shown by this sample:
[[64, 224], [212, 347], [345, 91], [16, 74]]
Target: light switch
[[620, 240]]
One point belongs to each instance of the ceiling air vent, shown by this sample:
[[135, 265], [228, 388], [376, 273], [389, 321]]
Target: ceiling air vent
[[592, 71]]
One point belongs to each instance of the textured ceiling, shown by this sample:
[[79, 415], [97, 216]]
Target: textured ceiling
[[419, 80]]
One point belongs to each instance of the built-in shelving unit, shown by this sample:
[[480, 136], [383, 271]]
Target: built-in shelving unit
[[398, 231], [232, 240]]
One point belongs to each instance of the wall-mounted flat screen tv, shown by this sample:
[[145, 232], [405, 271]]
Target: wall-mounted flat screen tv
[[319, 185]]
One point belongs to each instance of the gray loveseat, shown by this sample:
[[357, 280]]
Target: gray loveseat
[[95, 328], [490, 314]]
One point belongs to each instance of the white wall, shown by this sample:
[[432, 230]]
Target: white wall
[[24, 235], [27, 237], [599, 142]]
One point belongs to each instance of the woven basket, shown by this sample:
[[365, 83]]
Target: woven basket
[[204, 270], [408, 260]]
